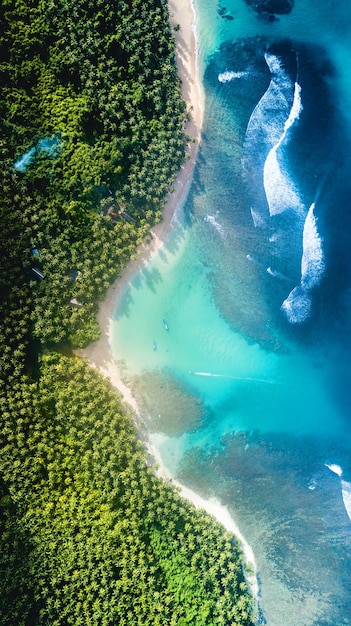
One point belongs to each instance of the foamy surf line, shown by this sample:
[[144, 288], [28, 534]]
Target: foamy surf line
[[297, 306], [280, 190], [214, 508], [345, 486], [346, 496]]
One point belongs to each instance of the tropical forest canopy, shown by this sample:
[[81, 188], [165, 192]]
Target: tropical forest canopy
[[91, 138], [98, 81]]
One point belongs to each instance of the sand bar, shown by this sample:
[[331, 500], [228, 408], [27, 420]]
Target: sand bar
[[99, 353]]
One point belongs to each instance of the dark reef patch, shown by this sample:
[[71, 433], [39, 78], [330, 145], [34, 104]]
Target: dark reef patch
[[268, 9]]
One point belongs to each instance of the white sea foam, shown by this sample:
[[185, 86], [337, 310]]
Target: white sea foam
[[295, 109], [269, 123], [312, 264], [266, 122], [312, 484], [276, 105], [280, 191], [345, 486], [297, 305], [227, 76], [273, 62], [211, 219], [346, 496], [336, 469]]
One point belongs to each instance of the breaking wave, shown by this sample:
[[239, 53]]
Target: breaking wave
[[333, 467], [346, 496], [298, 304], [345, 486], [273, 116], [226, 77], [270, 115], [312, 264], [280, 192]]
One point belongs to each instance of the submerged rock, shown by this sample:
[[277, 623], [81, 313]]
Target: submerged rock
[[222, 12], [267, 9]]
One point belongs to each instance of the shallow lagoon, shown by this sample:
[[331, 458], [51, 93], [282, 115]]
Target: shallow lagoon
[[242, 401]]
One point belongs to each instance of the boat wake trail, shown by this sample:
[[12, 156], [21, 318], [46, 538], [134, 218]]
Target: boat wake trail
[[241, 378]]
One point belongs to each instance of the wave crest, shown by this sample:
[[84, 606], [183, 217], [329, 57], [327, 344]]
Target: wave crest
[[268, 127], [313, 263], [226, 77], [280, 190], [297, 305], [346, 496]]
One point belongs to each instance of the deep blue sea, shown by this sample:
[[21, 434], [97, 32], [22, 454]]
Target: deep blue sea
[[236, 338]]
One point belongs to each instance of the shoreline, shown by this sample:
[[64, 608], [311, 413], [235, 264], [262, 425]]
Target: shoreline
[[213, 507], [99, 353]]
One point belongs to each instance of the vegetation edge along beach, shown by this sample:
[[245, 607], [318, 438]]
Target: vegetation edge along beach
[[92, 136], [99, 353]]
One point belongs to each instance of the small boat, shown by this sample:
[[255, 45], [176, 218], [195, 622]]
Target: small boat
[[154, 346], [165, 325]]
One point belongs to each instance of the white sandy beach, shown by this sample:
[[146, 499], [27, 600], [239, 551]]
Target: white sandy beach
[[217, 510], [99, 354]]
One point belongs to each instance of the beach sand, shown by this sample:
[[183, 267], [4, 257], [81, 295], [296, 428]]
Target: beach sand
[[99, 353], [217, 510]]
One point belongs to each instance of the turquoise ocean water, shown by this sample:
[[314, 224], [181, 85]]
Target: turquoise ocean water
[[236, 337]]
